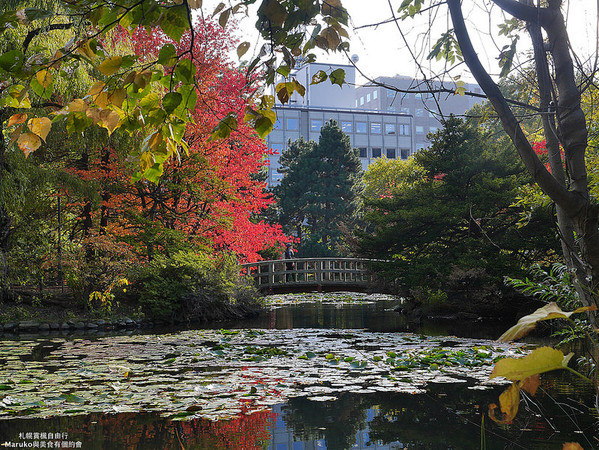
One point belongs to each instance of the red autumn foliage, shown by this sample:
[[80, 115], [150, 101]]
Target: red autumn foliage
[[211, 198], [540, 148]]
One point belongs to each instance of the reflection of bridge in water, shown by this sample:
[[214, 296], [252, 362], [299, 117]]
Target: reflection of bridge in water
[[310, 274]]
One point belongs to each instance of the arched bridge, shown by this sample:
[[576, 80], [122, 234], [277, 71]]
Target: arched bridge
[[310, 274]]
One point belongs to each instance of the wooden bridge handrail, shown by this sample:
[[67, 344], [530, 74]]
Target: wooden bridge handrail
[[314, 272]]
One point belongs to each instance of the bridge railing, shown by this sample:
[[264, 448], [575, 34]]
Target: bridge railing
[[308, 271]]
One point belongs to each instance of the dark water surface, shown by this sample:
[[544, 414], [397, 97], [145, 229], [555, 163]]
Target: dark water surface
[[446, 416], [377, 316]]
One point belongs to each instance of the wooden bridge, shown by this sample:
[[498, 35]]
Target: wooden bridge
[[309, 274]]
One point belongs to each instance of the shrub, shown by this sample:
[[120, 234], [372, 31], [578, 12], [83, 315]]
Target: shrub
[[186, 284]]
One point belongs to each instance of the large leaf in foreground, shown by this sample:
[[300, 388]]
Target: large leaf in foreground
[[541, 360], [527, 323]]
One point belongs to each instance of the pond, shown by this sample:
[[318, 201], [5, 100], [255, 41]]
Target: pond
[[337, 375]]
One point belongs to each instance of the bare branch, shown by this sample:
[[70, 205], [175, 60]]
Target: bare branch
[[34, 33], [510, 124]]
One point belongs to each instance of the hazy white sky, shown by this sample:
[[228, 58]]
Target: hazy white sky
[[383, 51]]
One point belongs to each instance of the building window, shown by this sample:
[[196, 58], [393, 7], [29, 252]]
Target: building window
[[419, 112], [356, 103], [346, 126], [404, 130], [430, 114], [361, 100], [389, 128], [405, 110], [374, 95], [390, 93], [419, 130], [363, 152], [277, 125], [391, 153], [405, 153], [375, 127], [361, 128], [376, 152], [292, 124], [433, 129], [418, 95], [315, 124], [368, 97]]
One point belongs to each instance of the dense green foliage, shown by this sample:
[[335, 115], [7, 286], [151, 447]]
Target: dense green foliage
[[451, 227], [185, 284], [319, 196]]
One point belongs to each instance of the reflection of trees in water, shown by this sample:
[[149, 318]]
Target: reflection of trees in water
[[337, 422], [149, 431], [447, 416]]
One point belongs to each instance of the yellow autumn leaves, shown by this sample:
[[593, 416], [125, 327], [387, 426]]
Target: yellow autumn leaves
[[31, 140], [524, 372]]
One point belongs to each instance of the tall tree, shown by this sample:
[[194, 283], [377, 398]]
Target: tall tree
[[449, 218], [321, 190], [564, 126]]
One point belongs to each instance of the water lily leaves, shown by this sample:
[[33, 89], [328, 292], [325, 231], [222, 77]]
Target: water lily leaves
[[164, 373], [527, 323]]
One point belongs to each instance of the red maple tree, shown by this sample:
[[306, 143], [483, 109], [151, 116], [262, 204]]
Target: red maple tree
[[211, 198]]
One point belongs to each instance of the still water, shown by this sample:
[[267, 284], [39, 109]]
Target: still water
[[441, 415]]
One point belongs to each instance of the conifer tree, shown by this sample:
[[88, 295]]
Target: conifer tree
[[320, 193]]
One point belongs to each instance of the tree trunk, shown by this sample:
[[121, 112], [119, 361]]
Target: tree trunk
[[577, 215]]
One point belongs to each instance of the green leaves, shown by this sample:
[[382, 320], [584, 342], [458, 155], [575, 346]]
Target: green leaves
[[337, 76], [224, 127], [319, 77], [110, 65], [12, 61], [447, 48], [273, 12], [171, 101], [506, 57], [409, 8], [242, 49], [167, 55], [286, 89]]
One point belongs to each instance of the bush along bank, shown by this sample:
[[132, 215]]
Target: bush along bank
[[183, 288]]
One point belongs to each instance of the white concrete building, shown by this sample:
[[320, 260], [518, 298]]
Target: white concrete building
[[426, 109], [373, 133], [379, 121]]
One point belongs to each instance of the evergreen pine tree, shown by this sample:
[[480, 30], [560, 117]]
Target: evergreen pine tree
[[321, 191]]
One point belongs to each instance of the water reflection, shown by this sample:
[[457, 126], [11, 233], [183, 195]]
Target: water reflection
[[446, 417], [377, 316]]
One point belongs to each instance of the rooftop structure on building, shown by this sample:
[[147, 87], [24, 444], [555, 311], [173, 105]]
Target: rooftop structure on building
[[325, 94], [379, 120], [426, 101]]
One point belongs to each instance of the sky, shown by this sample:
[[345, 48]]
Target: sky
[[383, 51]]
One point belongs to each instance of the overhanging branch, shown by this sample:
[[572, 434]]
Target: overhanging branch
[[535, 167]]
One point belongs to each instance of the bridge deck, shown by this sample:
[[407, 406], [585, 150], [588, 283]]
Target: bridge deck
[[309, 273]]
